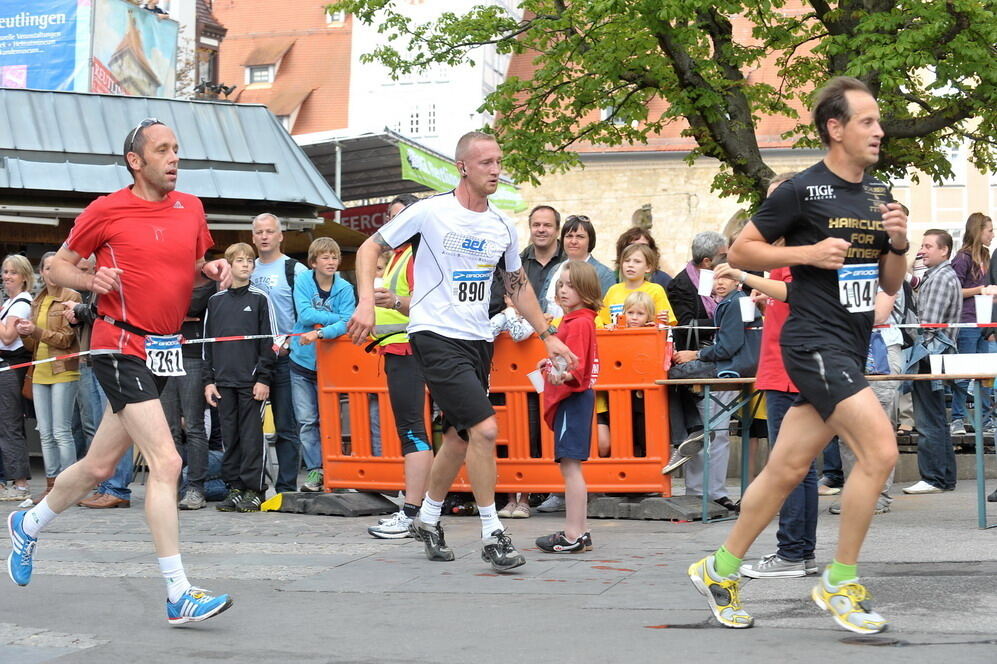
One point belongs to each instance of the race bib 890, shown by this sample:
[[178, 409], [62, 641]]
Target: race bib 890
[[857, 287], [470, 286]]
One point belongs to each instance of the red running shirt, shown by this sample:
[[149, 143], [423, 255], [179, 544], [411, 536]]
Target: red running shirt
[[771, 373], [156, 245], [577, 331]]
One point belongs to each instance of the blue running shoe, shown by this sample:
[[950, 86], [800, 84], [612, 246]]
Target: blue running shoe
[[195, 605], [22, 548]]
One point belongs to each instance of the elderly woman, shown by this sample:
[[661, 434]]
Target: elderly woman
[[18, 279], [577, 241], [54, 384]]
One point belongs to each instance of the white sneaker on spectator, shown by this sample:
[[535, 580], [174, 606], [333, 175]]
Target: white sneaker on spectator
[[921, 487], [397, 527], [554, 503], [957, 428]]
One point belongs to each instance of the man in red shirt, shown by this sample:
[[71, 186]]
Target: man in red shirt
[[150, 242]]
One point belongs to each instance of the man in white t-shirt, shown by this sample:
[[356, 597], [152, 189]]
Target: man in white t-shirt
[[462, 243]]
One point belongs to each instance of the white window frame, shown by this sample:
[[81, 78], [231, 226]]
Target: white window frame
[[336, 18], [250, 69]]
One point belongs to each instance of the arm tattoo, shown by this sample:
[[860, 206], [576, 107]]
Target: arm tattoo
[[514, 282], [376, 237]]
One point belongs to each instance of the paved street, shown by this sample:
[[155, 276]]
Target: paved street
[[319, 589]]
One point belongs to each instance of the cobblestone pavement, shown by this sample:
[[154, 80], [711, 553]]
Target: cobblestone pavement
[[319, 589]]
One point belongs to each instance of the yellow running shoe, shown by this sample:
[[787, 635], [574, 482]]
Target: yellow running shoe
[[848, 604], [722, 593]]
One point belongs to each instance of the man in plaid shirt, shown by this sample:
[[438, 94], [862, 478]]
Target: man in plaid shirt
[[939, 300]]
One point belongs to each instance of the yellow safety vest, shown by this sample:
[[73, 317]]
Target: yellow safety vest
[[387, 320]]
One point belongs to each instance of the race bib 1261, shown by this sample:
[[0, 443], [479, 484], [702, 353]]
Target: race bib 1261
[[162, 355], [857, 287]]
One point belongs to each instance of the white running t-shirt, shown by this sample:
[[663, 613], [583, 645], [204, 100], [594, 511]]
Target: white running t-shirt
[[455, 263]]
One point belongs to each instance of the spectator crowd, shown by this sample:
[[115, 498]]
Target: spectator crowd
[[215, 402]]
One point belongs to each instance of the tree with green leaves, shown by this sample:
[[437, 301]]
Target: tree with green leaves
[[931, 63]]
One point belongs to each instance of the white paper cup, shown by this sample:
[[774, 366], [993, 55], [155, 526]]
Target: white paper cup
[[706, 283], [936, 363], [984, 308], [537, 378], [747, 309], [378, 282]]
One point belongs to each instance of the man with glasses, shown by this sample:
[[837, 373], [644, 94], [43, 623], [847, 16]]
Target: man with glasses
[[143, 236]]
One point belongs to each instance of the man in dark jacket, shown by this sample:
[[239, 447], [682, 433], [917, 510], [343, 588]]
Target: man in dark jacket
[[709, 249]]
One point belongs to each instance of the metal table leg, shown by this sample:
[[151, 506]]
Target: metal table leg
[[981, 475]]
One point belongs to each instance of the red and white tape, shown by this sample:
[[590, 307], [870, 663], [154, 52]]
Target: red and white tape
[[278, 342]]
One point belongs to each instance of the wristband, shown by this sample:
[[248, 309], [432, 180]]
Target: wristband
[[546, 333], [899, 252]]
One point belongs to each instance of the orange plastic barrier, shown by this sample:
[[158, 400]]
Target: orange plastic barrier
[[631, 360]]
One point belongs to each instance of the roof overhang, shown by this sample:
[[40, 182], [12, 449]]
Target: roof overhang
[[377, 165]]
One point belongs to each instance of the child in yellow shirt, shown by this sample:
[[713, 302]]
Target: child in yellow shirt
[[636, 261]]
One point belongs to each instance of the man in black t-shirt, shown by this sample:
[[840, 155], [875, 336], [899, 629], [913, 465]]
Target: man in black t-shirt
[[845, 237]]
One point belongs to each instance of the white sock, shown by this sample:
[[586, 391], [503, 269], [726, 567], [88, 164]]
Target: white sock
[[176, 580], [489, 520], [37, 518], [430, 511]]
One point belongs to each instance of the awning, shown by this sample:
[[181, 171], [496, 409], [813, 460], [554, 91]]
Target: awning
[[388, 164]]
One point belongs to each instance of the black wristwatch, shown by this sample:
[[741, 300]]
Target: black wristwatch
[[546, 333], [899, 252]]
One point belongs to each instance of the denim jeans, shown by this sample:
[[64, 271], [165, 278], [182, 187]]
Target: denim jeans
[[304, 393], [719, 450], [54, 405], [935, 455], [797, 535], [287, 447], [92, 402], [970, 340], [831, 464], [184, 404]]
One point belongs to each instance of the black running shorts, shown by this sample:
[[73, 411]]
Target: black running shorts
[[824, 377], [125, 379], [456, 372]]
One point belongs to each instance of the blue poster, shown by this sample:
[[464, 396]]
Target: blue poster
[[38, 43]]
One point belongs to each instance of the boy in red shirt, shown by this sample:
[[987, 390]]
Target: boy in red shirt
[[569, 401]]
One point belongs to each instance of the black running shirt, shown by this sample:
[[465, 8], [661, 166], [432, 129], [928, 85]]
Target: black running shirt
[[829, 308]]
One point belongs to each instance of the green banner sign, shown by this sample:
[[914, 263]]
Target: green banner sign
[[441, 175]]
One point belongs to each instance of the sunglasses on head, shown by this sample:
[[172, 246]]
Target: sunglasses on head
[[148, 122]]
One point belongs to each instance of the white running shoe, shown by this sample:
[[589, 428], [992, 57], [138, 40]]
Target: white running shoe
[[396, 527], [921, 488]]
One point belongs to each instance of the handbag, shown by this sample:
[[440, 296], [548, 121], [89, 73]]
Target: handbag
[[26, 390]]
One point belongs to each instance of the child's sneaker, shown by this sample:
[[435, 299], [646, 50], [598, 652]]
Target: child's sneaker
[[314, 483], [195, 605], [558, 543], [722, 593], [249, 502], [848, 604], [231, 501]]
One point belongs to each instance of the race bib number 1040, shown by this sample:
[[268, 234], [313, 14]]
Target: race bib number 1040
[[857, 287]]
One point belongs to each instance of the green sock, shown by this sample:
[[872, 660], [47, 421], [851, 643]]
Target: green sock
[[839, 572], [725, 562]]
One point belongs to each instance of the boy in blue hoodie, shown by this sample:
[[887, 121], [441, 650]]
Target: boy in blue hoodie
[[321, 298]]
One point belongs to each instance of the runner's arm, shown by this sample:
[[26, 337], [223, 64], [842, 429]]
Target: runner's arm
[[751, 251], [66, 273], [771, 287], [519, 290], [362, 321]]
